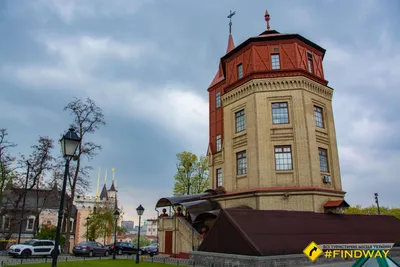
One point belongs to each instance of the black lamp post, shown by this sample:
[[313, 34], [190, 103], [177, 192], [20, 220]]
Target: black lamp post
[[87, 228], [69, 144], [23, 202], [140, 211], [377, 202], [116, 216]]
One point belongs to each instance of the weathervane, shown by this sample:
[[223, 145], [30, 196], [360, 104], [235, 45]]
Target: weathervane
[[266, 16], [231, 14]]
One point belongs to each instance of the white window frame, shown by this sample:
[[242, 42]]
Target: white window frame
[[3, 223], [218, 100], [219, 143], [33, 224]]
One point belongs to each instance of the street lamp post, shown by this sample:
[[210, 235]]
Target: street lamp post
[[87, 228], [69, 144], [116, 216], [377, 202], [140, 211], [23, 202]]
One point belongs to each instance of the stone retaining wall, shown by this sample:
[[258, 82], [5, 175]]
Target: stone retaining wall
[[220, 259]]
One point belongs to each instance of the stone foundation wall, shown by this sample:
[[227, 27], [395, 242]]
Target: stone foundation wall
[[232, 260], [220, 259]]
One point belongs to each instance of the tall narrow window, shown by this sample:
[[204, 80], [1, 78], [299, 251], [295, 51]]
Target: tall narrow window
[[6, 222], [219, 177], [240, 121], [219, 146], [240, 71], [323, 160], [283, 158], [280, 113], [241, 163], [275, 61], [319, 117], [30, 223], [218, 100], [310, 62]]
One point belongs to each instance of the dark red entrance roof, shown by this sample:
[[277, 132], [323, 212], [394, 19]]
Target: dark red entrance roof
[[263, 233]]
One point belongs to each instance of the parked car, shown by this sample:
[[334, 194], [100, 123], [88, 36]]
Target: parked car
[[90, 249], [151, 249], [125, 248], [34, 247]]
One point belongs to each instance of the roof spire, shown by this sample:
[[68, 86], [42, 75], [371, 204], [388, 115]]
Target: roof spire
[[231, 14], [267, 18]]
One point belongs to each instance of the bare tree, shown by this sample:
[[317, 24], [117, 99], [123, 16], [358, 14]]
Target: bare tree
[[88, 118], [40, 160], [5, 160]]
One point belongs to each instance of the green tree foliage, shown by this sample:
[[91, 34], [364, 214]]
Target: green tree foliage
[[373, 210], [192, 175], [49, 233], [101, 224], [143, 241]]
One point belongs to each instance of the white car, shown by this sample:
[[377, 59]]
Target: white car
[[34, 247]]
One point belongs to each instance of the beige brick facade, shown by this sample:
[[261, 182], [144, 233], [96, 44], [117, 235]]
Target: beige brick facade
[[261, 136]]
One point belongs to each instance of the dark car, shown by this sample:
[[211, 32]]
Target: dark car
[[125, 248], [151, 249], [90, 249]]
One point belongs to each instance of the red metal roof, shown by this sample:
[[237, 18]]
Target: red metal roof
[[219, 76], [335, 204], [267, 232]]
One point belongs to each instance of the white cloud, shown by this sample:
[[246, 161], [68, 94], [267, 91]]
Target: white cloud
[[70, 10], [359, 74], [174, 106]]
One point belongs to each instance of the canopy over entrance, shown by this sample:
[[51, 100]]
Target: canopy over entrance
[[179, 200]]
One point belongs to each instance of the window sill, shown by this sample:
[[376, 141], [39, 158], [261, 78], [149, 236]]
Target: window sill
[[325, 173], [238, 134], [284, 172], [241, 176]]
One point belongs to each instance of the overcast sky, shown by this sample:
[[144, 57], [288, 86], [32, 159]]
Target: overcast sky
[[148, 64]]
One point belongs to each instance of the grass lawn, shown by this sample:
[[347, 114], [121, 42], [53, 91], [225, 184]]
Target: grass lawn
[[101, 263]]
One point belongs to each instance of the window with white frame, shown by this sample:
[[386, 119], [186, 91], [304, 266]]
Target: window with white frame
[[218, 100], [30, 223], [241, 163], [319, 117], [275, 62], [219, 145], [280, 113], [310, 62], [283, 158], [219, 177], [323, 160], [240, 121], [240, 71], [6, 223]]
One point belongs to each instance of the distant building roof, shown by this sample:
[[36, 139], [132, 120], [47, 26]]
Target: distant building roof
[[104, 194], [112, 188], [264, 233]]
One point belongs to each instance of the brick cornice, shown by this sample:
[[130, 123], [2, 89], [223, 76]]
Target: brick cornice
[[276, 84], [279, 190]]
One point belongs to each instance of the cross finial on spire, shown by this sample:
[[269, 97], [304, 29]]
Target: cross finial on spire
[[231, 14], [267, 18]]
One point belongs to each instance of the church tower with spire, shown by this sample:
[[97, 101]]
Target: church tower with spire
[[272, 140]]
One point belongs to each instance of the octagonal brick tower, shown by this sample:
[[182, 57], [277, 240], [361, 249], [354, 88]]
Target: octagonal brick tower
[[272, 140]]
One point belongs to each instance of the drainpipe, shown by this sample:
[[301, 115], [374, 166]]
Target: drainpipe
[[175, 232], [158, 226]]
